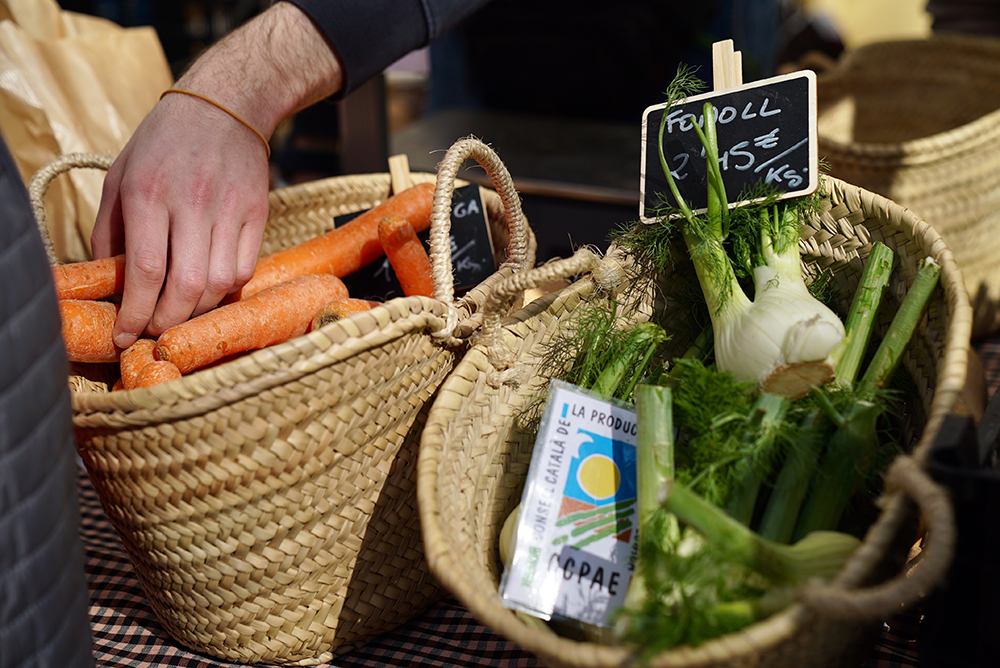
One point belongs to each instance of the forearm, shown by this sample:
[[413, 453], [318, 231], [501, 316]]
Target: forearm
[[266, 70]]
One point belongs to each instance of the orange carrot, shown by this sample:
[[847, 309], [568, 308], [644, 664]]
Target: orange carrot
[[140, 368], [407, 256], [134, 358], [340, 308], [270, 316], [344, 250], [225, 360], [86, 330], [156, 372], [94, 279]]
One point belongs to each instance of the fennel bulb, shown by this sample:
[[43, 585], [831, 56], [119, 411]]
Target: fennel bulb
[[783, 339]]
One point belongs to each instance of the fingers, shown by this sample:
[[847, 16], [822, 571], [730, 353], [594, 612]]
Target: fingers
[[200, 269], [251, 236], [190, 251], [220, 276], [234, 245], [145, 269], [182, 265]]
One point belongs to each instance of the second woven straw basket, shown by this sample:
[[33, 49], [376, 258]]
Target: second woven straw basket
[[475, 451], [918, 121], [268, 504]]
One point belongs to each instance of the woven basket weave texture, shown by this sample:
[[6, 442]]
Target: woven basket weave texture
[[918, 121], [268, 504], [476, 448]]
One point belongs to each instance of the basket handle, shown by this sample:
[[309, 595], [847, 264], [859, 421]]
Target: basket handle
[[606, 272], [440, 236], [906, 479], [41, 179]]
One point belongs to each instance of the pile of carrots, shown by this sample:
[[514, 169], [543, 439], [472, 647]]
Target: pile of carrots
[[292, 292]]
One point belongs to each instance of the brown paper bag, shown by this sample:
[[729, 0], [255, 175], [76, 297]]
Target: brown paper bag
[[68, 83]]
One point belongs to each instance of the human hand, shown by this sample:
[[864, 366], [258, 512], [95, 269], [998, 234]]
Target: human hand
[[186, 200]]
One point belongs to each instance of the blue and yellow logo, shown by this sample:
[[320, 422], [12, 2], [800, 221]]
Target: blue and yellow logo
[[600, 492]]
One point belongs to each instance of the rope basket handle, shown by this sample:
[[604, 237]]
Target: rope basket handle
[[606, 273], [840, 600], [440, 236], [41, 179]]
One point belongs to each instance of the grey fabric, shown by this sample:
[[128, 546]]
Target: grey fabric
[[43, 593]]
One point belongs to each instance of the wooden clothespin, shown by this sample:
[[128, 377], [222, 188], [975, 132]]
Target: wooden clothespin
[[727, 65]]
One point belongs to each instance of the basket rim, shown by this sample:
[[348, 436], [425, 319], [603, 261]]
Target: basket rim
[[488, 608], [923, 149], [236, 379], [310, 193]]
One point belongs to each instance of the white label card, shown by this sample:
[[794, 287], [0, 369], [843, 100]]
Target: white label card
[[576, 540]]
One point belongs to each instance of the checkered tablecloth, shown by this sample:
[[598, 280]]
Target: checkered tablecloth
[[127, 634]]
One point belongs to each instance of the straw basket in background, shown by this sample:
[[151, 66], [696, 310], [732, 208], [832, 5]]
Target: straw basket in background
[[918, 121], [475, 451], [268, 504]]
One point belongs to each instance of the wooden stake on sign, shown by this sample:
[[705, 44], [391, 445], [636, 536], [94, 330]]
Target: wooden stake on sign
[[399, 173], [727, 65]]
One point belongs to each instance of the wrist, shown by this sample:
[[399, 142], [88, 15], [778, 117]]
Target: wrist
[[268, 69]]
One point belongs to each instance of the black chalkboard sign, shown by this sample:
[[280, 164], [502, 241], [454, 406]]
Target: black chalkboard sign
[[766, 132], [471, 251]]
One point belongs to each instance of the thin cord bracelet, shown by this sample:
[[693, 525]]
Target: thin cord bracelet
[[260, 135]]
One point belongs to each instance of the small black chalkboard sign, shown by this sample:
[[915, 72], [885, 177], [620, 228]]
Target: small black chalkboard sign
[[471, 251], [766, 132]]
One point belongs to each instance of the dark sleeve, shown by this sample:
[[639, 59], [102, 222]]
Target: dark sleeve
[[369, 35]]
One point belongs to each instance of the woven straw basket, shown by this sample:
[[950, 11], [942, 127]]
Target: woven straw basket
[[475, 453], [268, 504], [918, 121]]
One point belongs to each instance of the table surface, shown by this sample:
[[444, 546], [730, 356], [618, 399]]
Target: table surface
[[126, 633]]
